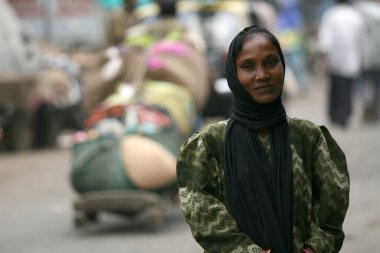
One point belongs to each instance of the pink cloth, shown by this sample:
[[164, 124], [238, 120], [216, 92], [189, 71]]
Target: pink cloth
[[165, 47]]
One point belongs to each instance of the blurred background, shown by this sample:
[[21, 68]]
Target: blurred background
[[57, 62]]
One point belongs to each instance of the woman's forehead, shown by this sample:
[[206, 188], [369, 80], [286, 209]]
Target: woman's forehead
[[258, 44], [258, 39]]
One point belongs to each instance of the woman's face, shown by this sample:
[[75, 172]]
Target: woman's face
[[259, 69]]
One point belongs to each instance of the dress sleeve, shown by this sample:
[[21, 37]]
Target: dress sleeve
[[201, 196], [330, 187]]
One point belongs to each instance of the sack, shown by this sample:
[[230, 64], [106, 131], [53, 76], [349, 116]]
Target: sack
[[186, 68]]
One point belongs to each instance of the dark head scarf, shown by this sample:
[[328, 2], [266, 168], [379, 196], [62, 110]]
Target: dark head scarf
[[168, 8], [259, 189]]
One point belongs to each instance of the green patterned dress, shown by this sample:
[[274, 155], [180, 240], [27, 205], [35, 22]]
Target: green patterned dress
[[321, 190]]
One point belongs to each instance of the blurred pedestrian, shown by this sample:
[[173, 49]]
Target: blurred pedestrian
[[290, 31], [340, 38], [114, 19], [266, 15], [261, 181], [370, 81]]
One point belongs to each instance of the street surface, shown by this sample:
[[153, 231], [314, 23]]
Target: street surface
[[36, 198]]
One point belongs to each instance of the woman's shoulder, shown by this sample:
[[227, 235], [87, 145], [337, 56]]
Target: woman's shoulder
[[303, 129], [216, 128], [211, 134], [303, 125]]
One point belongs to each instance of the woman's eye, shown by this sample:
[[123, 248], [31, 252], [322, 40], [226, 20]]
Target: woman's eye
[[272, 62], [247, 66]]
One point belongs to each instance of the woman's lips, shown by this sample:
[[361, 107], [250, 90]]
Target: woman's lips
[[263, 89]]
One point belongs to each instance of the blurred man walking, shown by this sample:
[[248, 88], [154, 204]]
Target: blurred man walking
[[340, 36], [371, 59]]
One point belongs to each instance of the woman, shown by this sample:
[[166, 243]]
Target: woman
[[261, 181]]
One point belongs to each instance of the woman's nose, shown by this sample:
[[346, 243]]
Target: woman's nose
[[261, 74]]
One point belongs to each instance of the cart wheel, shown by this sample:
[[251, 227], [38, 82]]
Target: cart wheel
[[92, 216], [155, 217], [156, 221], [80, 219]]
